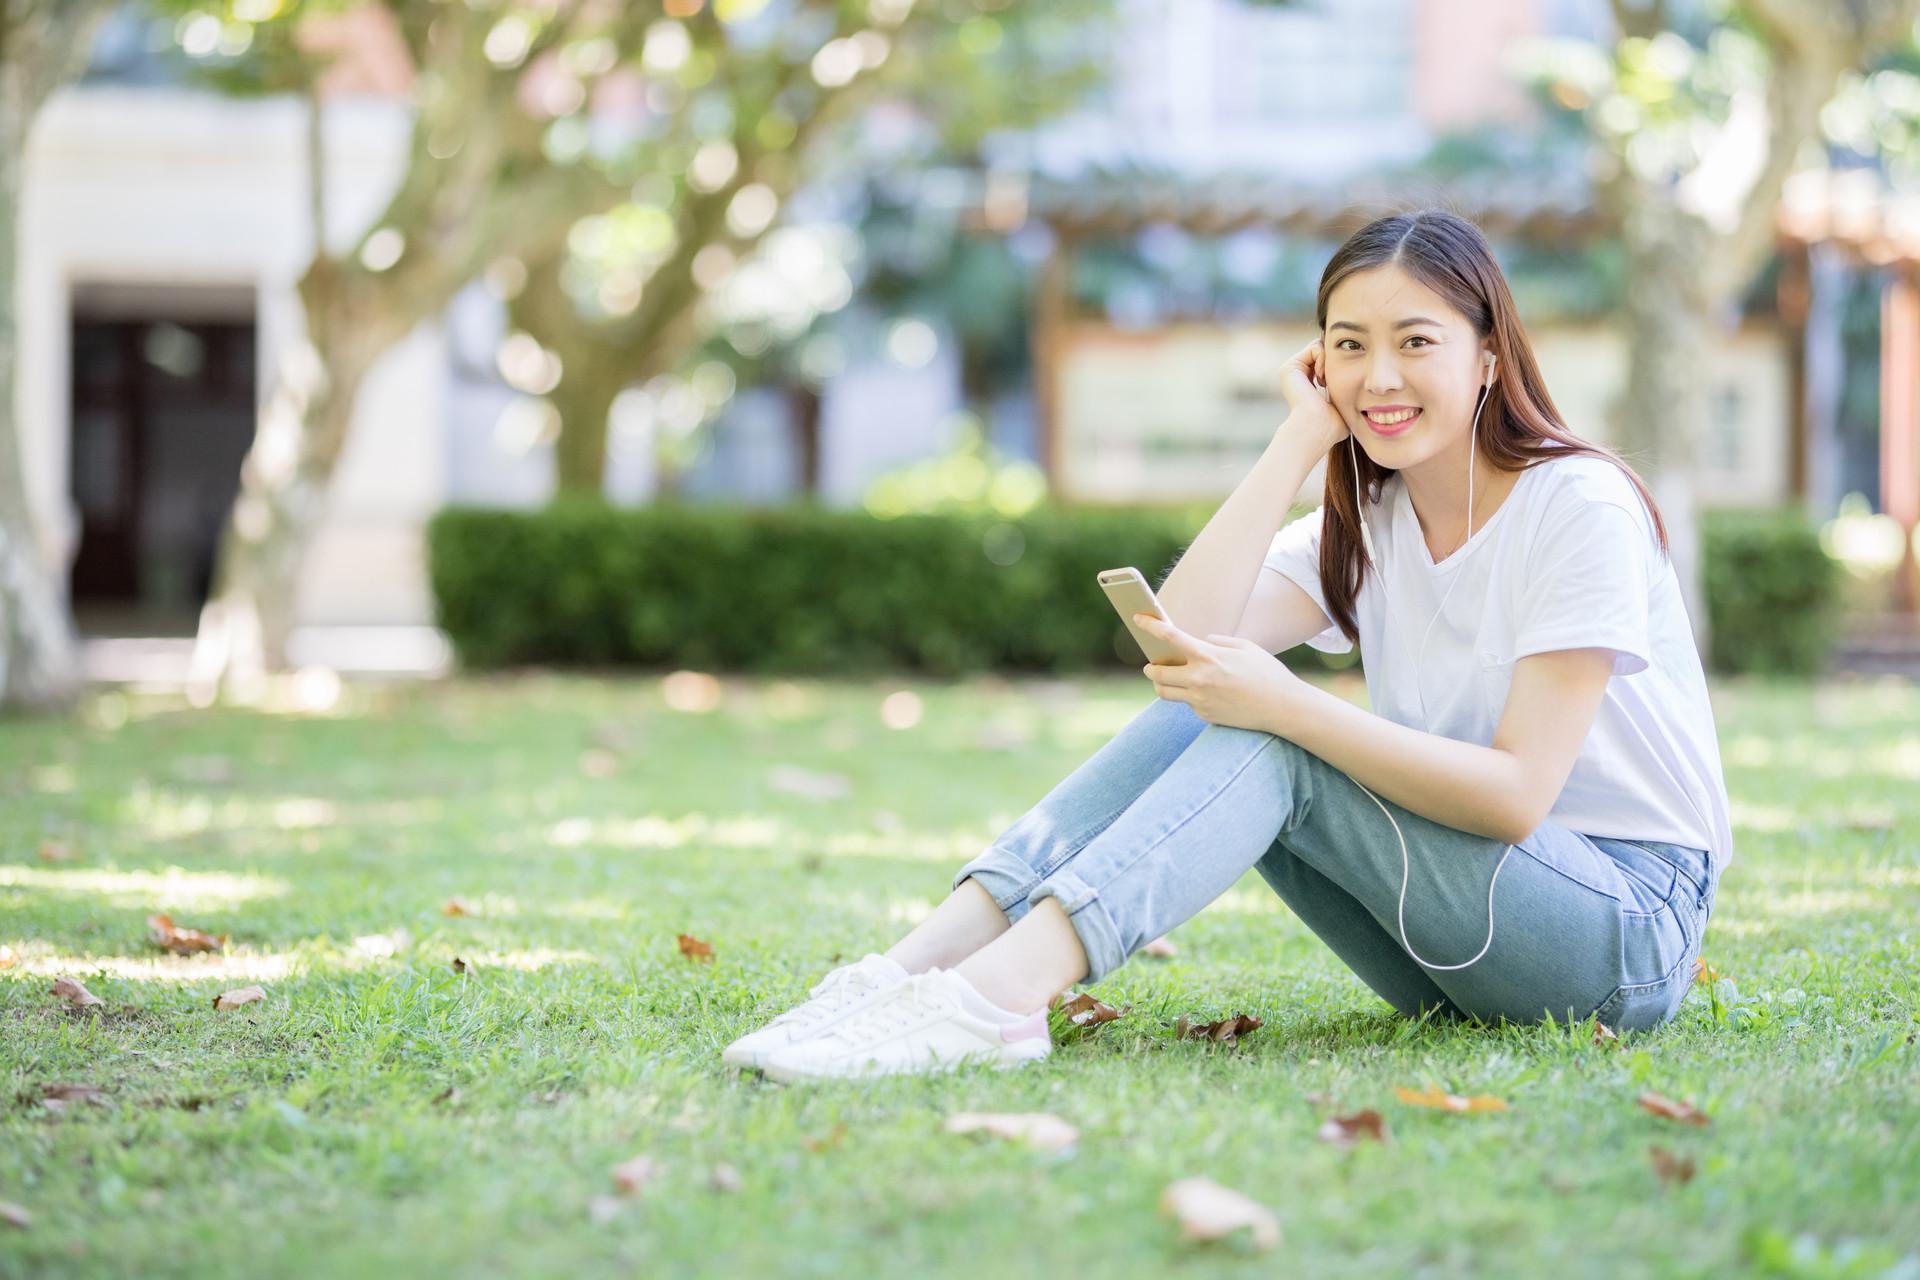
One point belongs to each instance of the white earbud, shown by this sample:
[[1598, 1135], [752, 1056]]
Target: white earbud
[[1488, 359]]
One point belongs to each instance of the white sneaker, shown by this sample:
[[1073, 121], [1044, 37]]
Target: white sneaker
[[932, 1022], [832, 996]]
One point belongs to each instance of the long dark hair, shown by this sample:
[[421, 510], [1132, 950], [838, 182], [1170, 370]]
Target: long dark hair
[[1520, 427]]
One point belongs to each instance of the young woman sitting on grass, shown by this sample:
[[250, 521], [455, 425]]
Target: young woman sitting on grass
[[1530, 824]]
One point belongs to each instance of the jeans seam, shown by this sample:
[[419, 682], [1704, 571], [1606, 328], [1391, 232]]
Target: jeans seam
[[1049, 867], [1573, 879], [1679, 875]]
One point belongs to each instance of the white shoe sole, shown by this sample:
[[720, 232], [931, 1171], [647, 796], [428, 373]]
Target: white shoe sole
[[1017, 1053], [752, 1059]]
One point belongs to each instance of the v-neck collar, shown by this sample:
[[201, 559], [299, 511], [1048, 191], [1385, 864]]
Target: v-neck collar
[[1453, 558]]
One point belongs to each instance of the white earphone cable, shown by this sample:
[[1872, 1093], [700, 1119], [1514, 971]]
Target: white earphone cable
[[1406, 865]]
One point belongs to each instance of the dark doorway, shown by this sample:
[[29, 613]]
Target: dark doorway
[[163, 412]]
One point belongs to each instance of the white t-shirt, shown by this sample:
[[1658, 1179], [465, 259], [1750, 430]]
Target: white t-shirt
[[1569, 560]]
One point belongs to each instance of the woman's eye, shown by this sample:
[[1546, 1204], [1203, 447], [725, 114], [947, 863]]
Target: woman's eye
[[1348, 344]]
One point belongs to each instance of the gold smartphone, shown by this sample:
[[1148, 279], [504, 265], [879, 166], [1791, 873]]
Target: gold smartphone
[[1129, 594]]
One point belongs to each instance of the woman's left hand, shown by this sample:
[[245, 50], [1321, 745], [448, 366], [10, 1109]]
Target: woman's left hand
[[1227, 680]]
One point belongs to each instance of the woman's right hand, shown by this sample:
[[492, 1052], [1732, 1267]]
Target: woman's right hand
[[1309, 406]]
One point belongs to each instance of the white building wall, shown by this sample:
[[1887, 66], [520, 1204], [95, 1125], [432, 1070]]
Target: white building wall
[[175, 187]]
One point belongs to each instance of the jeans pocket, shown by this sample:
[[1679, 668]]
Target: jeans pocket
[[1646, 1005], [1657, 954]]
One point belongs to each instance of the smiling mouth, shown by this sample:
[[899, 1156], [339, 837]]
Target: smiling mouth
[[1393, 423]]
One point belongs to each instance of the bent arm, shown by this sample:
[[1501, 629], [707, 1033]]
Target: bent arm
[[1207, 590], [1279, 615], [1503, 791]]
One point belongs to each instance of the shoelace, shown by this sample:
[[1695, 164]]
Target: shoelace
[[840, 983], [904, 1005]]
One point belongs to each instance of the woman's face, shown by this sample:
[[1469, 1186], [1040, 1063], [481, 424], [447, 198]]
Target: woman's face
[[1403, 366]]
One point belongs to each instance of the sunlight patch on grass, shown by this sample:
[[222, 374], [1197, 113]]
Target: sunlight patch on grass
[[528, 960], [52, 779], [908, 911], [585, 909], [652, 832], [260, 966], [926, 847], [1809, 902], [174, 889], [1748, 815]]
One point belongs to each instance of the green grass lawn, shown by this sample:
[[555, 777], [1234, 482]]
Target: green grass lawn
[[586, 823]]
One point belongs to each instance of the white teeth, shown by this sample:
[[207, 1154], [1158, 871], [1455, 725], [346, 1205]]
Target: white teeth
[[1389, 419]]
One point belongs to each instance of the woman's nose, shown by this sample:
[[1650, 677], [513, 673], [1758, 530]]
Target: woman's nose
[[1382, 376]]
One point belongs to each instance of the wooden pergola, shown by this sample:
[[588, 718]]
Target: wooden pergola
[[1855, 212], [1851, 211]]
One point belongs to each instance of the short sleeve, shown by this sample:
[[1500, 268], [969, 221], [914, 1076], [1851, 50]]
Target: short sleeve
[[1587, 583], [1295, 554]]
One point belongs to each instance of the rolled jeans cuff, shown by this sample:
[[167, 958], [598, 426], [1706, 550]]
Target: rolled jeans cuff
[[1008, 879], [1015, 888]]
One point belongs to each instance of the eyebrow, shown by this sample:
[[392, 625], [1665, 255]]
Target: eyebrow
[[1398, 324]]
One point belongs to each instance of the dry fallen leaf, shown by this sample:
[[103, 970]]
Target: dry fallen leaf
[[1670, 1167], [180, 940], [694, 949], [459, 965], [1603, 1034], [1344, 1131], [57, 851], [1084, 1011], [238, 996], [1160, 948], [7, 958], [1867, 820], [382, 945], [1036, 1128], [15, 1216], [1671, 1110], [1225, 1031], [829, 1139], [1206, 1210], [725, 1178], [70, 989], [632, 1175], [456, 907], [1432, 1096], [70, 1093], [797, 781]]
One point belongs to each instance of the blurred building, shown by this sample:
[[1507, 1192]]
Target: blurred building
[[164, 229]]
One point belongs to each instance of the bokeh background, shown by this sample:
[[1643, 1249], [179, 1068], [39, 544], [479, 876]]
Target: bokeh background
[[353, 336]]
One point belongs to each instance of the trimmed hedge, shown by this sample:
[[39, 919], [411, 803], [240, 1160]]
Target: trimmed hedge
[[797, 588], [803, 588], [1772, 592]]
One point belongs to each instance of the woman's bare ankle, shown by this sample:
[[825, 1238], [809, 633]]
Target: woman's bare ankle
[[968, 920]]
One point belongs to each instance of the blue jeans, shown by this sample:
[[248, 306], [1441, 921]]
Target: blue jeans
[[1170, 813]]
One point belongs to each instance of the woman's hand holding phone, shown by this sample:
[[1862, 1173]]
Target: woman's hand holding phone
[[1310, 408]]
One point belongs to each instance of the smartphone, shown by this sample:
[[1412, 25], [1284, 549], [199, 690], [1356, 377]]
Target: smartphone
[[1129, 594]]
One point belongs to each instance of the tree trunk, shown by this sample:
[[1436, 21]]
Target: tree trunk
[[1670, 324], [286, 474], [804, 399], [41, 47], [580, 455]]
